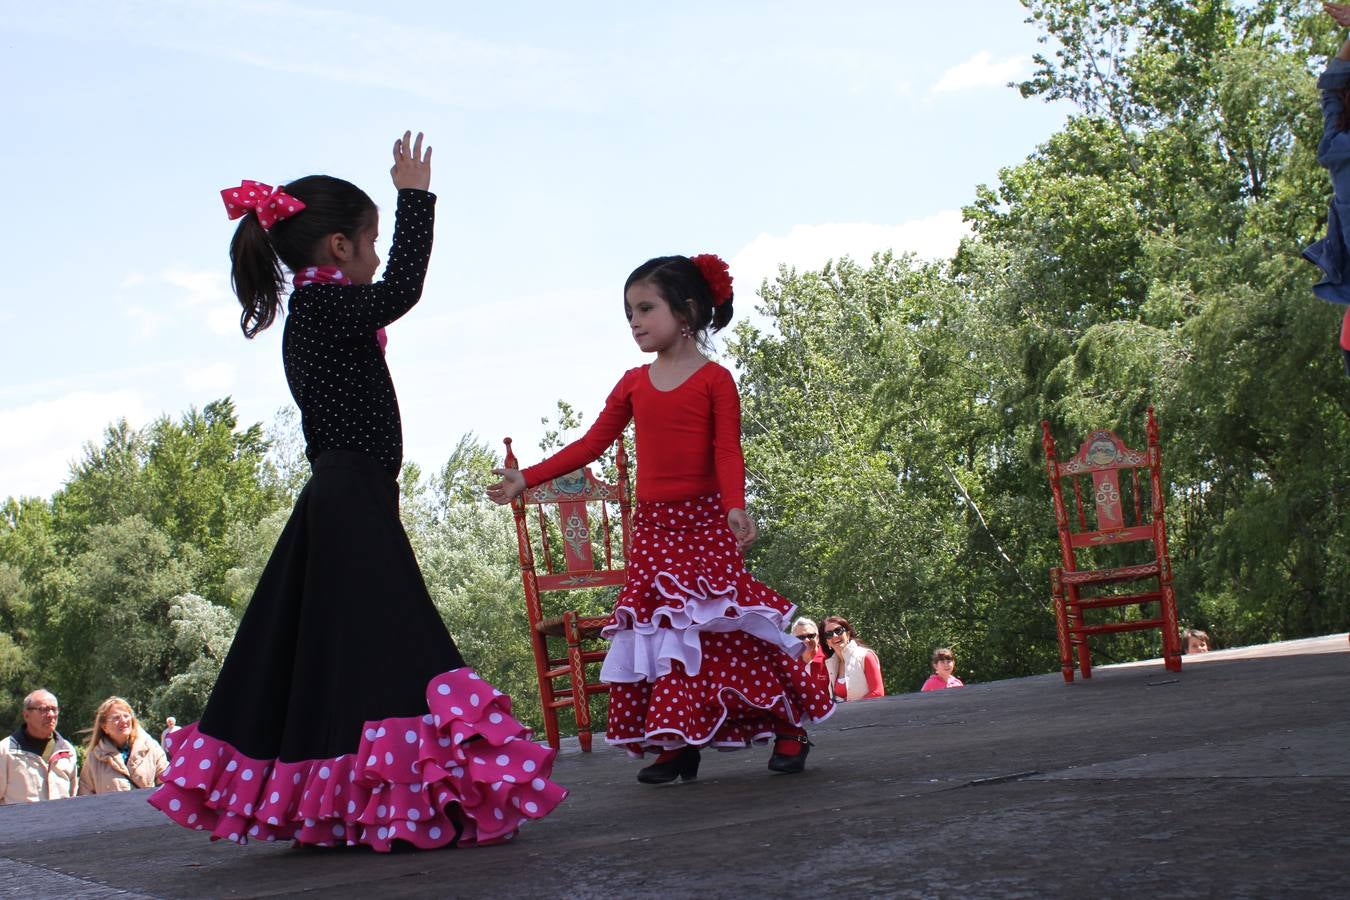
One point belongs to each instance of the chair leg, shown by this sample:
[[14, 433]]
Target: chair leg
[[551, 732], [1061, 625], [1076, 622], [546, 696], [1171, 636], [581, 701]]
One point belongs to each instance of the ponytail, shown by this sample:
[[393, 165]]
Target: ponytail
[[330, 206], [255, 274]]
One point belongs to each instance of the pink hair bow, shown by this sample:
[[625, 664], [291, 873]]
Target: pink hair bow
[[269, 204]]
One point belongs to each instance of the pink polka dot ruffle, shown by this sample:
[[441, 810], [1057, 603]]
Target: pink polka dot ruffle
[[466, 768]]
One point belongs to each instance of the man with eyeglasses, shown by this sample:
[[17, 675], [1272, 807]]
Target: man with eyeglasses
[[36, 763]]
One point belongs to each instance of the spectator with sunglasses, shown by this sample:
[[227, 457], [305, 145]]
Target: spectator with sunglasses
[[806, 631], [853, 667], [944, 667]]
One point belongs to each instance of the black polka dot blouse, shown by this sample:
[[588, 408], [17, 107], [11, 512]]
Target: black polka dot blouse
[[334, 365]]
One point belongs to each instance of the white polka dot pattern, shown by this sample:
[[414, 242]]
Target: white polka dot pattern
[[414, 785], [269, 204], [334, 364], [699, 653]]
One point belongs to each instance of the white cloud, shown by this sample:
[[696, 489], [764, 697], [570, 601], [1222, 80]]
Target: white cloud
[[147, 320], [808, 247], [201, 288], [206, 288], [981, 71], [224, 319], [39, 441], [187, 289], [216, 380], [449, 66]]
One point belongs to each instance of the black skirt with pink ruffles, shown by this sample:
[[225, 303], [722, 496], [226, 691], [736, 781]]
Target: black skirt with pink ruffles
[[699, 650], [343, 713]]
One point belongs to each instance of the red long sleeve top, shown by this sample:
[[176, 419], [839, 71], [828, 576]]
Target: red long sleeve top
[[688, 438], [872, 672]]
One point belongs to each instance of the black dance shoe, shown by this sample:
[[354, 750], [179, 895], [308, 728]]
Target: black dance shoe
[[684, 765], [789, 765]]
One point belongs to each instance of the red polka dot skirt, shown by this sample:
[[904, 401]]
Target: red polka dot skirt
[[699, 651]]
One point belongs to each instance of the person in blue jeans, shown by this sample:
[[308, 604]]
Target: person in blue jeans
[[1332, 253]]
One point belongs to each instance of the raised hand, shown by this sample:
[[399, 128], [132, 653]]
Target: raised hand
[[412, 167], [1340, 12], [743, 527], [509, 488]]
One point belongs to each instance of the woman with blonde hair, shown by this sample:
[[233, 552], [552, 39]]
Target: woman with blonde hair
[[119, 755]]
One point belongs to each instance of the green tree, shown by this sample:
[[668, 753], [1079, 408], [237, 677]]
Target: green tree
[[104, 629], [1149, 255]]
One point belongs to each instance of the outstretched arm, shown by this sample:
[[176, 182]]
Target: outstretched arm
[[345, 312], [605, 430], [412, 167], [509, 488]]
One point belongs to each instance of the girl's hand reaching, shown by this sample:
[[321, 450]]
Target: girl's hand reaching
[[412, 168], [1340, 12], [743, 527], [509, 488]]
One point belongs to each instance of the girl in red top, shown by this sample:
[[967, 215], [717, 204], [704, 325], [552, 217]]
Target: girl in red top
[[699, 652]]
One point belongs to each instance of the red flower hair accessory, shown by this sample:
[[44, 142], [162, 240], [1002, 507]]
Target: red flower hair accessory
[[269, 204], [717, 274]]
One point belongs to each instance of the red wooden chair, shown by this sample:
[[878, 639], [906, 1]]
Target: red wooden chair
[[575, 555], [1103, 457]]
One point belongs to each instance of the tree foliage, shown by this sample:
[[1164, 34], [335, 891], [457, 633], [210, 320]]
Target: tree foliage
[[1145, 255]]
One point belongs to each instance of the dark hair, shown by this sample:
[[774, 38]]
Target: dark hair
[[1343, 121], [332, 206], [944, 653], [1192, 633], [684, 289], [826, 626]]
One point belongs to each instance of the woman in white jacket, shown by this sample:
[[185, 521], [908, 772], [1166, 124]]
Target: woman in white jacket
[[855, 671]]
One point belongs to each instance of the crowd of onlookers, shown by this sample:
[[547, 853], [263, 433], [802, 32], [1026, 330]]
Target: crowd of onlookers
[[37, 763], [833, 653]]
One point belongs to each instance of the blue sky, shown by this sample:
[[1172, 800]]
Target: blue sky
[[572, 142]]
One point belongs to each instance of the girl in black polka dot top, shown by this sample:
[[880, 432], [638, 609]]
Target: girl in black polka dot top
[[344, 714]]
